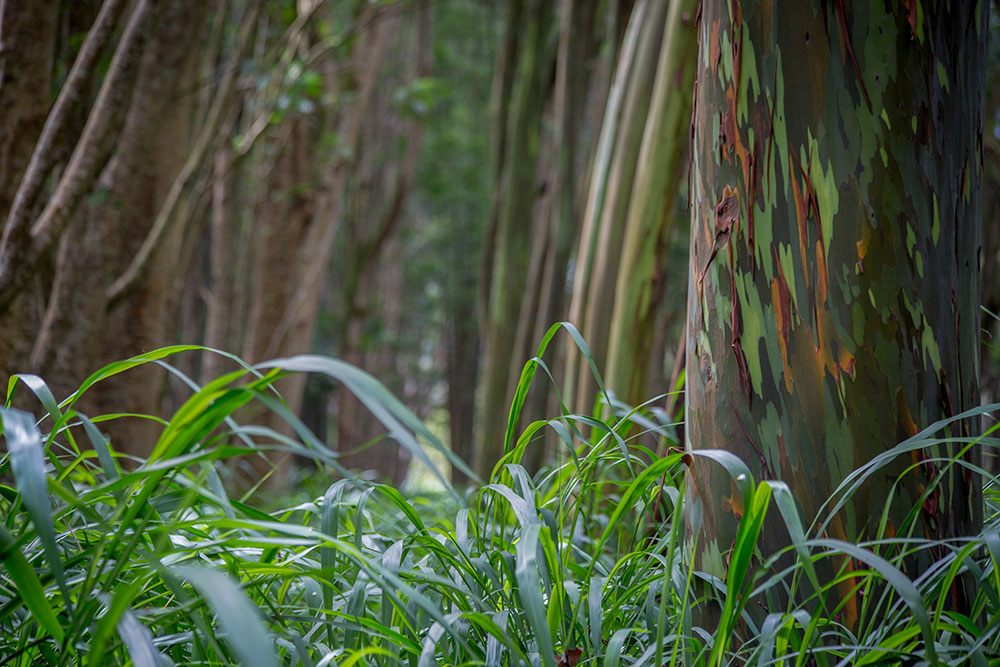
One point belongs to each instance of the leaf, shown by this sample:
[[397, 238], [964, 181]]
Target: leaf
[[528, 583], [138, 640], [28, 465], [595, 613], [613, 656], [240, 619], [907, 591], [101, 447], [397, 419], [28, 585], [494, 649], [38, 388]]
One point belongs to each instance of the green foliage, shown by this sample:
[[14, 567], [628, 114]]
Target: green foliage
[[107, 560]]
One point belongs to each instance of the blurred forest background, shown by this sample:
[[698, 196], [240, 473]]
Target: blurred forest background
[[418, 187]]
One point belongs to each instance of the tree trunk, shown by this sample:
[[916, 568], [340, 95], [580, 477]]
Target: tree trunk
[[80, 331], [613, 171], [375, 212], [528, 58], [834, 284], [652, 211], [27, 41]]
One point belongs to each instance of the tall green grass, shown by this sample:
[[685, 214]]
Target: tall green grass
[[584, 563]]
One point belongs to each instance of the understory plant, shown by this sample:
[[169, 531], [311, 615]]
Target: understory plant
[[106, 560]]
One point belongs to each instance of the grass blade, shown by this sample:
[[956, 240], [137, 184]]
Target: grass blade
[[28, 585], [138, 640], [239, 617], [101, 447], [28, 465], [903, 586], [527, 573]]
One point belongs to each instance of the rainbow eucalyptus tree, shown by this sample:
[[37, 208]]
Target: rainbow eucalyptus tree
[[833, 295]]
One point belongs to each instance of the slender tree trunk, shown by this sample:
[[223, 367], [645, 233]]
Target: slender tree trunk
[[220, 320], [611, 179], [559, 208], [27, 42], [378, 201], [461, 341], [642, 278], [833, 298], [513, 228]]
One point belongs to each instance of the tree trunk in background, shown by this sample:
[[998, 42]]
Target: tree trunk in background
[[375, 210], [224, 244], [638, 314], [524, 78], [27, 42], [461, 341], [190, 190], [283, 220], [989, 381], [602, 232], [834, 284], [80, 331], [580, 73]]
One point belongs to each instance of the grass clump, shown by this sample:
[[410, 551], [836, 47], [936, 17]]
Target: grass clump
[[582, 564]]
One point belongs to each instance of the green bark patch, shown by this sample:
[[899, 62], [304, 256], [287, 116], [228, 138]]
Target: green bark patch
[[835, 188]]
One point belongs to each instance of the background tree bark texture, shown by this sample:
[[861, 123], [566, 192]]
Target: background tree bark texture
[[600, 247], [552, 174], [185, 172], [370, 267], [79, 330], [834, 283], [523, 81]]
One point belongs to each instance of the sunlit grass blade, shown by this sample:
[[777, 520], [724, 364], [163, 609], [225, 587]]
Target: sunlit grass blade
[[755, 508]]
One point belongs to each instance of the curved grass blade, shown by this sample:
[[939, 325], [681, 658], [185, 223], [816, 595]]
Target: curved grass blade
[[429, 649], [398, 420], [528, 374], [523, 509], [789, 513], [613, 656], [527, 574], [138, 640], [736, 468], [101, 447], [28, 465], [239, 617], [122, 366], [39, 389], [921, 440], [903, 586], [28, 585]]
